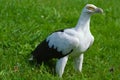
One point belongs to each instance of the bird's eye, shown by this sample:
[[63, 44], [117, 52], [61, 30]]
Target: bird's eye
[[90, 8]]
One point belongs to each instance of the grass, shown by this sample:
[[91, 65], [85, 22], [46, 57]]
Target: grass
[[25, 23]]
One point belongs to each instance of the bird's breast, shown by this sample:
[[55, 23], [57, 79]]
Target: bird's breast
[[84, 43]]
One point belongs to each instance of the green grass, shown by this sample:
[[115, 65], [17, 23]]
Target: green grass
[[25, 23]]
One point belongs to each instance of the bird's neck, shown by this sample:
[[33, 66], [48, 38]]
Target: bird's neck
[[83, 22]]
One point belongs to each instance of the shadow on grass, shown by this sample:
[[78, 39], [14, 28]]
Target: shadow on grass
[[49, 66]]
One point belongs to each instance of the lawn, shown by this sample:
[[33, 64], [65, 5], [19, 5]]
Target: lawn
[[25, 23]]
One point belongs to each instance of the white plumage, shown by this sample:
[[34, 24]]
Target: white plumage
[[63, 41], [68, 42]]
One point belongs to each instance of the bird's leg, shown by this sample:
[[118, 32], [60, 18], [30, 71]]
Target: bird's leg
[[79, 62], [60, 65]]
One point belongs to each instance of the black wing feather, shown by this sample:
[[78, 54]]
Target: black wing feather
[[43, 53]]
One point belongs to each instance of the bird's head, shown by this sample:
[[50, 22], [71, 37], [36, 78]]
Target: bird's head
[[91, 9]]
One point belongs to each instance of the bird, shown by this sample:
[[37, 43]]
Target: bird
[[67, 42]]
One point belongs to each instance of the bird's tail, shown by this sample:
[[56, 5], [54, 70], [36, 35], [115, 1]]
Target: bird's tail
[[31, 58]]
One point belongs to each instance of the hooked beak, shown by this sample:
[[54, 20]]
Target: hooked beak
[[99, 10]]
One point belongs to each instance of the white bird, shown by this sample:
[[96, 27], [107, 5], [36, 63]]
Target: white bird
[[68, 42]]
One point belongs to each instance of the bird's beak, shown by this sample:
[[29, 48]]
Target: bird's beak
[[99, 10]]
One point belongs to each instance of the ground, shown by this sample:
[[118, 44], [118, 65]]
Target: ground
[[25, 23]]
